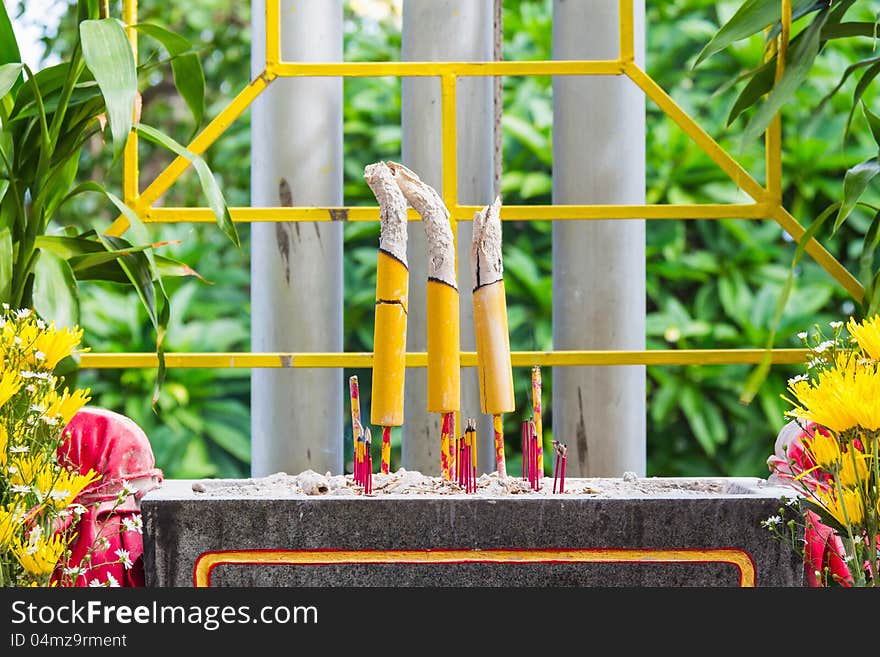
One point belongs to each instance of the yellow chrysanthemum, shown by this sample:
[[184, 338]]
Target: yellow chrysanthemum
[[26, 470], [10, 383], [853, 475], [52, 345], [851, 501], [867, 334], [60, 488], [40, 557], [10, 518], [4, 442], [825, 451], [843, 396], [66, 405]]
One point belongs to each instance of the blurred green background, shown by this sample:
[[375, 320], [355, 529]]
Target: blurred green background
[[710, 283]]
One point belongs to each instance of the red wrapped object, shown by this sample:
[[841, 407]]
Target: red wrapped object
[[118, 449]]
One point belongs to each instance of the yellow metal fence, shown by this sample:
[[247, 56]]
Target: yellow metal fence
[[766, 199]]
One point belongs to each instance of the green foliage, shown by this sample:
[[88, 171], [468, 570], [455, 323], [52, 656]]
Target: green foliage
[[710, 283], [45, 125]]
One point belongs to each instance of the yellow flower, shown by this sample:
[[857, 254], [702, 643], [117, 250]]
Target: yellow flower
[[61, 488], [25, 470], [4, 441], [10, 518], [66, 405], [52, 345], [845, 395], [867, 334], [851, 501], [853, 476], [39, 557], [825, 451], [10, 383]]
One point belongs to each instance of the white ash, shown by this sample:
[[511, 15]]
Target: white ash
[[413, 483], [486, 260], [435, 217], [392, 209]]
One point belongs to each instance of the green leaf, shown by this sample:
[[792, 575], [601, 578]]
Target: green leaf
[[760, 84], [866, 259], [693, 405], [752, 17], [5, 265], [189, 78], [797, 67], [873, 123], [55, 291], [9, 51], [848, 71], [855, 182], [9, 75], [209, 184], [759, 374], [862, 86], [109, 57], [851, 29]]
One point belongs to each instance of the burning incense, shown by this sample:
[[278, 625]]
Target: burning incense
[[444, 342], [472, 433], [536, 410], [534, 477], [498, 427], [559, 468], [447, 457], [368, 463], [392, 291], [354, 393], [490, 324]]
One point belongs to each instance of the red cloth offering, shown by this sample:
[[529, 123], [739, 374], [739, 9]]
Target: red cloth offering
[[115, 447]]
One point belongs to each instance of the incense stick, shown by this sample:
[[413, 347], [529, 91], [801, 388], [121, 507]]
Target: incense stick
[[386, 449], [354, 393], [498, 430], [537, 388]]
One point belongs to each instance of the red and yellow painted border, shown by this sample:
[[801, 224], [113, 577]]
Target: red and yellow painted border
[[207, 561]]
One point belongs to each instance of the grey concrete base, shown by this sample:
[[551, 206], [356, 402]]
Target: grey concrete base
[[180, 526]]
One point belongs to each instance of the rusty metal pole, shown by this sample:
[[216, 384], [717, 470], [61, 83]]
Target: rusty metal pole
[[598, 266], [445, 30], [296, 268]]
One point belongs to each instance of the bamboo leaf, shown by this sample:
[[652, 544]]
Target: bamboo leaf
[[760, 84], [759, 373], [189, 78], [5, 264], [848, 71], [797, 66], [9, 75], [855, 182], [752, 17], [851, 29], [209, 184], [109, 57], [862, 86], [9, 52], [55, 293], [866, 259], [873, 123]]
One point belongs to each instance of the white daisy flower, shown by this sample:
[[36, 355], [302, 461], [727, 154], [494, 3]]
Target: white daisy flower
[[111, 581], [836, 325], [124, 558], [802, 335]]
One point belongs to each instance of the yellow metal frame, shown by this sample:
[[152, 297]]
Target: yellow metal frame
[[766, 199]]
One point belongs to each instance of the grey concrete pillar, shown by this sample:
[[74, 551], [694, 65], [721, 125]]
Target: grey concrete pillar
[[445, 30], [598, 266], [296, 268]]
